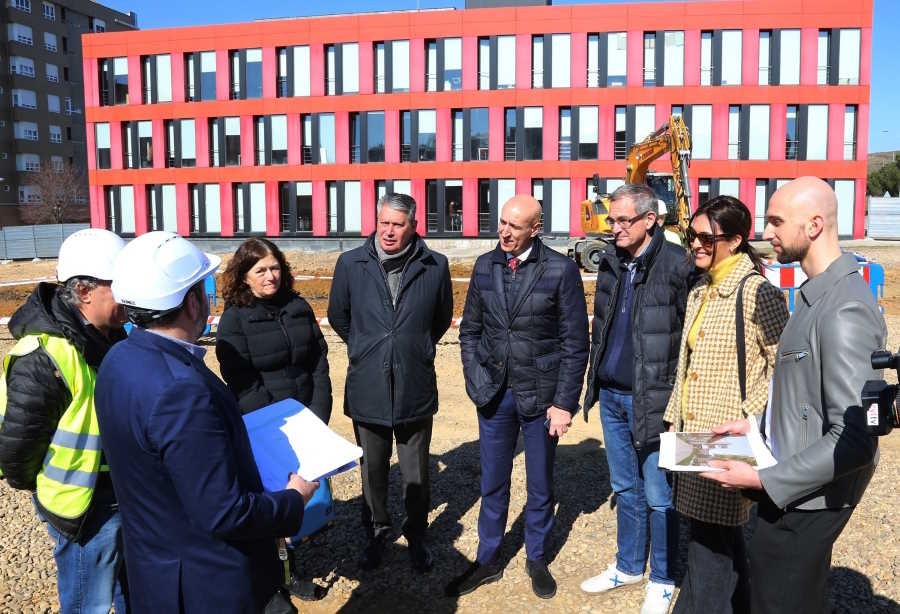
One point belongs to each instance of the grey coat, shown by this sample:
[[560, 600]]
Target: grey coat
[[825, 455]]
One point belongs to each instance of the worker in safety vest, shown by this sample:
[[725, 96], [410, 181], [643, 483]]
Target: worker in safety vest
[[201, 532], [49, 438]]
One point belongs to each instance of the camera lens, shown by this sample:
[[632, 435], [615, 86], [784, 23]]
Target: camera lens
[[882, 359]]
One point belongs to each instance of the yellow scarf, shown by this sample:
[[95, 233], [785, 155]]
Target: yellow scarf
[[717, 273]]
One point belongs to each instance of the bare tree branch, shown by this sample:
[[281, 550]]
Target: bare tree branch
[[62, 194]]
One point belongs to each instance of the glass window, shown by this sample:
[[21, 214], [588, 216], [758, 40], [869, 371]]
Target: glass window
[[188, 142], [28, 162], [588, 125], [208, 75], [620, 148], [731, 57], [506, 62], [789, 67], [848, 60], [350, 68], [674, 58], [206, 216], [352, 207], [406, 135], [486, 225], [400, 66], [458, 138], [431, 84], [427, 125], [25, 99], [326, 138], [304, 205], [254, 73], [52, 73], [120, 81], [164, 78], [644, 121], [562, 60], [49, 11], [101, 132], [616, 49], [161, 208], [758, 148], [57, 163], [565, 133], [479, 134], [55, 133], [50, 42], [331, 188], [559, 206], [53, 103], [822, 55], [730, 187], [706, 58], [330, 71], [593, 57], [850, 132], [232, 141], [817, 132], [375, 136], [257, 207], [845, 191], [649, 58], [792, 139], [734, 131], [21, 34], [355, 138], [279, 139], [484, 63], [510, 120], [307, 152], [533, 128], [506, 189], [379, 68], [453, 202], [701, 131], [301, 70], [759, 217], [537, 62], [145, 143], [452, 64], [765, 38]]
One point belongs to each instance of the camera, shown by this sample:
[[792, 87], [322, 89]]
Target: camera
[[879, 399]]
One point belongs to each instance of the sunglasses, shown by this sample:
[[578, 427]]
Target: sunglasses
[[707, 239]]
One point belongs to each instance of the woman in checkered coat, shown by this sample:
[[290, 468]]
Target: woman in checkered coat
[[707, 393]]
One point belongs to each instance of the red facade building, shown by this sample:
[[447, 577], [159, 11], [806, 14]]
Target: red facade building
[[294, 127]]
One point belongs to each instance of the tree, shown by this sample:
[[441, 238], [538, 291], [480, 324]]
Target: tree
[[63, 196], [885, 179]]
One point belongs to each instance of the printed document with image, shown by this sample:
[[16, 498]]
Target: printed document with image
[[694, 451]]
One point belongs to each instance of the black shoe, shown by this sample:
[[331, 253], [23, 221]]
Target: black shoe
[[420, 557], [476, 575], [371, 557], [542, 583], [306, 590]]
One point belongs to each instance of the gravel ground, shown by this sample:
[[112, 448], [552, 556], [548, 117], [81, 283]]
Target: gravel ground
[[865, 575]]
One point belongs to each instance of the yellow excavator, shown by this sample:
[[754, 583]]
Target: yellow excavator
[[672, 138]]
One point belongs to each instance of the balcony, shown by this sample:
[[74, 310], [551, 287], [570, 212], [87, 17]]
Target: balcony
[[593, 78], [24, 71], [25, 40], [791, 149], [457, 153], [649, 77], [849, 150], [50, 47], [405, 151], [54, 138], [234, 92], [431, 82], [509, 150], [354, 154], [306, 155], [485, 223], [330, 87], [53, 78], [565, 149], [282, 87], [482, 153], [620, 149], [379, 84]]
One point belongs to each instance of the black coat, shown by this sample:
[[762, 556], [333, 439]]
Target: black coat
[[662, 281], [390, 375], [37, 396], [540, 343], [272, 350]]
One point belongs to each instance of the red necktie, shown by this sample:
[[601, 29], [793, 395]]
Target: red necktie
[[513, 264]]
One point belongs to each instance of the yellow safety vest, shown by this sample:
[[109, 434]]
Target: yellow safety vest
[[65, 484]]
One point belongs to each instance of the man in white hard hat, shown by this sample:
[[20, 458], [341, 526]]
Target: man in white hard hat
[[201, 532], [49, 439], [669, 235]]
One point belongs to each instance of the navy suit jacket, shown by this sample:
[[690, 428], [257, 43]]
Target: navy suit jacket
[[200, 533]]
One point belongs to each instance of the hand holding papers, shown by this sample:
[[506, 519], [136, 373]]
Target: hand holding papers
[[287, 437], [694, 451]]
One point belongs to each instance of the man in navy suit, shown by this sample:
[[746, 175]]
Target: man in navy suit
[[524, 344], [200, 532]]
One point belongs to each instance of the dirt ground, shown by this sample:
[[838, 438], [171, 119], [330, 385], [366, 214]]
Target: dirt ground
[[865, 575]]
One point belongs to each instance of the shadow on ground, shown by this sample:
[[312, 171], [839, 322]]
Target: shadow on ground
[[455, 492]]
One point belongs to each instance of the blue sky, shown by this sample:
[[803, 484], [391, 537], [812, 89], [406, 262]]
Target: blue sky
[[884, 127]]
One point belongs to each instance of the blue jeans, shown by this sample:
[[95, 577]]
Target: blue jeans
[[90, 572], [639, 484], [497, 436]]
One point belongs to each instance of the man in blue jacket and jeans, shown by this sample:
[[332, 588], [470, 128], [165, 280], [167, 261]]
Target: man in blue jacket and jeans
[[201, 533], [524, 343]]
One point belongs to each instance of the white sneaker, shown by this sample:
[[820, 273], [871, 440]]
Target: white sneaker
[[608, 580], [658, 599]]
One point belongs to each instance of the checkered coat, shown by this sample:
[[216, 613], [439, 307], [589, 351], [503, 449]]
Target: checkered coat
[[714, 394]]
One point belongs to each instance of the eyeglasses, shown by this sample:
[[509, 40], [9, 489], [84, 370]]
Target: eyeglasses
[[625, 222], [707, 239]]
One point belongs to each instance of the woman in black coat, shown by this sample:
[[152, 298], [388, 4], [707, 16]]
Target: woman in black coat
[[268, 342], [269, 345]]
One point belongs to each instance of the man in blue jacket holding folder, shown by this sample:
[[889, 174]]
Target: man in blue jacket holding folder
[[201, 533]]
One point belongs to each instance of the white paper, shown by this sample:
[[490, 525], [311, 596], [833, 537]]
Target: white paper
[[692, 451], [287, 437]]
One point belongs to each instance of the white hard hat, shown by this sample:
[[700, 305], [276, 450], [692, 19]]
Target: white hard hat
[[155, 271], [88, 253], [661, 205]]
